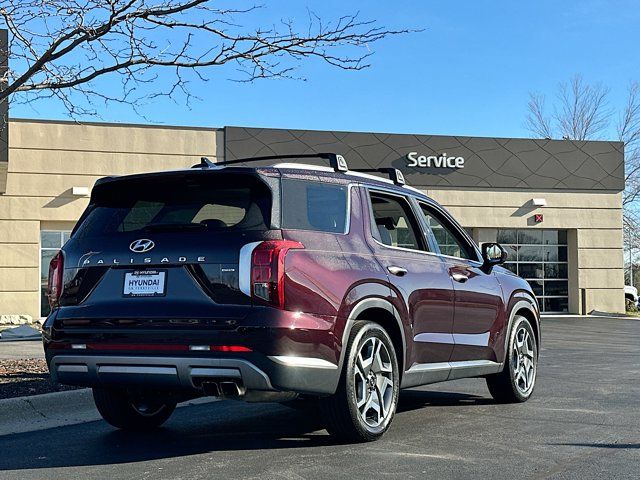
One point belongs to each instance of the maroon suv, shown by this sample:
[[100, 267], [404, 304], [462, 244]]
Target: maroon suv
[[276, 283]]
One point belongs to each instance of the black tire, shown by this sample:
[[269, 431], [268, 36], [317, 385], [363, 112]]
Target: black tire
[[131, 412], [517, 380], [341, 413]]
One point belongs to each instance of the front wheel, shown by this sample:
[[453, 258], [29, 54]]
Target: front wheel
[[132, 411], [516, 381], [365, 402]]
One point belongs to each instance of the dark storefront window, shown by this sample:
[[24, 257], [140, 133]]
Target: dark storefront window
[[540, 257]]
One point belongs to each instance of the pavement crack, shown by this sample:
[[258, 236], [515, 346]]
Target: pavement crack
[[28, 401]]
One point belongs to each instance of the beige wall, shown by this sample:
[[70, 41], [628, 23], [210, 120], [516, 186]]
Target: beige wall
[[48, 159], [594, 222]]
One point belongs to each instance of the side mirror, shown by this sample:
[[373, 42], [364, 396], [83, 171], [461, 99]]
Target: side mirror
[[492, 254]]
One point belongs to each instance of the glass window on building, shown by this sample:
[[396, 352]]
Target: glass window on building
[[50, 242], [540, 257]]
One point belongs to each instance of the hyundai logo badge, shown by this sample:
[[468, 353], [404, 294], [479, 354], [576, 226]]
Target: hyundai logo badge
[[142, 245]]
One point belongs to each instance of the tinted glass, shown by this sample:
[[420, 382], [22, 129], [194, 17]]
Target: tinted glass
[[50, 239], [540, 256], [507, 236], [511, 266], [554, 237], [449, 241], [555, 270], [208, 202], [395, 224], [555, 254], [512, 252], [531, 270], [556, 288], [530, 254], [556, 304], [536, 286], [314, 206], [533, 237]]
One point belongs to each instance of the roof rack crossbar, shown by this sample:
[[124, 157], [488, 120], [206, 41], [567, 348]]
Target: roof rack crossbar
[[394, 174], [336, 161]]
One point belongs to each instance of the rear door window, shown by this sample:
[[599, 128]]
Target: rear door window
[[394, 224], [314, 206], [219, 202]]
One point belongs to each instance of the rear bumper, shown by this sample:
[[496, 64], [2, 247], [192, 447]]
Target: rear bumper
[[188, 374]]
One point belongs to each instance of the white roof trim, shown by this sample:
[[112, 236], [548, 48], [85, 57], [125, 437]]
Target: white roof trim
[[302, 166]]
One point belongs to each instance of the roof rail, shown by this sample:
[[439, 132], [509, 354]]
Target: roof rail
[[336, 161], [394, 174]]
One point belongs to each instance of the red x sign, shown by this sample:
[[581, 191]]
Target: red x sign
[[538, 217]]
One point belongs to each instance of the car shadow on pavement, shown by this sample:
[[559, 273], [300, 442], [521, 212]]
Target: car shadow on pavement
[[621, 446], [416, 399], [208, 428]]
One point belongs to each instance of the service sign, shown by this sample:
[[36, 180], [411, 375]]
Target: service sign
[[434, 161]]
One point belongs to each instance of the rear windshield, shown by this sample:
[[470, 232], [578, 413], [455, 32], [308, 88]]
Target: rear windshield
[[314, 206], [188, 202]]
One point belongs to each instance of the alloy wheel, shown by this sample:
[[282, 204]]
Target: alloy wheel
[[523, 361], [373, 380]]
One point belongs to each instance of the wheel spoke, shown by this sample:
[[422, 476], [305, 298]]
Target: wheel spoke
[[372, 404], [367, 349], [522, 376], [382, 384], [383, 411]]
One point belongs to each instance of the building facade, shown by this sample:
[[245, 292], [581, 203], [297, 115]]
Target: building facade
[[555, 205]]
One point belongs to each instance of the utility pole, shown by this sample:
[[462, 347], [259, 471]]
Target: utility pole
[[4, 110], [631, 239]]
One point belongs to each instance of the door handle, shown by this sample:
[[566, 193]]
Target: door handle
[[459, 277], [398, 271]]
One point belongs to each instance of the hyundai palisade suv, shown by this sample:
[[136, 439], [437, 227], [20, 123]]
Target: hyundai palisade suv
[[273, 283]]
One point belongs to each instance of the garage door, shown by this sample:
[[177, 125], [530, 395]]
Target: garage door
[[540, 257]]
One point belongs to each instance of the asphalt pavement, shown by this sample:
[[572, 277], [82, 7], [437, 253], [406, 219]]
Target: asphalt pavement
[[583, 422], [21, 349]]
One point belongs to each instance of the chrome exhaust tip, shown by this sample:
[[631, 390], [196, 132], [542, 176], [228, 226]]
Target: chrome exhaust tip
[[211, 389], [230, 389]]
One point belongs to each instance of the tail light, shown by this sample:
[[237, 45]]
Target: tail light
[[267, 270], [54, 288]]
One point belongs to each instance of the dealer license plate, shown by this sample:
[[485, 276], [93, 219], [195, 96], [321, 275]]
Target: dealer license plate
[[145, 283]]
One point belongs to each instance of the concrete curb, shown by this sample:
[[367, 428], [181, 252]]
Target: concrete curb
[[52, 410]]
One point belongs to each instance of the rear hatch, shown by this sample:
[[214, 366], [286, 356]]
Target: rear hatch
[[163, 250]]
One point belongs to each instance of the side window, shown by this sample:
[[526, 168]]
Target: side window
[[450, 242], [314, 206], [394, 223]]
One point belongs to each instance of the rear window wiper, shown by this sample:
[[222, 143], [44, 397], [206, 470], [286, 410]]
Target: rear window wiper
[[158, 227]]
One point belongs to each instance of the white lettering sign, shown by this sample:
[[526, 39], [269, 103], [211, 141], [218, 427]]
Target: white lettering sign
[[441, 161]]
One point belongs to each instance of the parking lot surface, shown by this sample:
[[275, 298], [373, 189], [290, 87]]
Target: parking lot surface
[[582, 422], [22, 349]]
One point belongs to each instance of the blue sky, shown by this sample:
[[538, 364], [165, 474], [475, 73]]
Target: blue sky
[[468, 73]]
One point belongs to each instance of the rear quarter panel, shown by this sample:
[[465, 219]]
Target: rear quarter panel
[[333, 273]]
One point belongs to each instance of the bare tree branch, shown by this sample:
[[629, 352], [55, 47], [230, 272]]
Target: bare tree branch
[[537, 120], [582, 112], [63, 49]]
